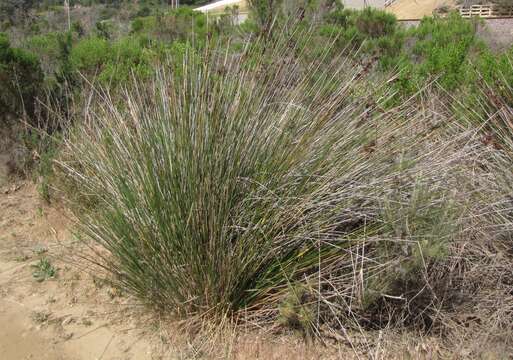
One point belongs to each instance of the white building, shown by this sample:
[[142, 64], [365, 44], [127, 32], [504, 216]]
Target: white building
[[221, 6]]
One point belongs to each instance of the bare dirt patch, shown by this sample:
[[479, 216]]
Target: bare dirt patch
[[54, 311], [417, 9]]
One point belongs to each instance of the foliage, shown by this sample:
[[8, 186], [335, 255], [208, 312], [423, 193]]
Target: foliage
[[443, 46], [490, 89], [89, 55], [128, 57], [296, 311], [48, 147], [137, 25], [264, 12], [376, 32], [78, 28], [104, 29], [369, 22], [43, 270], [21, 77], [494, 70], [143, 11], [48, 49], [181, 24]]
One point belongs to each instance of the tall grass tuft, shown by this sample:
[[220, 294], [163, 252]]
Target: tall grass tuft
[[241, 180]]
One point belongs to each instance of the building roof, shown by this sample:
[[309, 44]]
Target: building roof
[[220, 6], [360, 4]]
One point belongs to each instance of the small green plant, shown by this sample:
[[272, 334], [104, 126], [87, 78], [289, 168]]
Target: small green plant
[[43, 270], [40, 249], [86, 322], [22, 257], [40, 317], [107, 13], [297, 310], [47, 48], [43, 189], [425, 222], [78, 28], [128, 57]]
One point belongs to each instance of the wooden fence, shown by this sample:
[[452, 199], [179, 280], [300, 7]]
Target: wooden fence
[[486, 11]]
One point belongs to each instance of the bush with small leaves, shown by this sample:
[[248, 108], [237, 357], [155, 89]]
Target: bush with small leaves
[[21, 78]]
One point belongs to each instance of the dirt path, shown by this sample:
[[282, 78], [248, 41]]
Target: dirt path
[[20, 341], [68, 316]]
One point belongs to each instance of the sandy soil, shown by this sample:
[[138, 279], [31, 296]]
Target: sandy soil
[[416, 9], [66, 317]]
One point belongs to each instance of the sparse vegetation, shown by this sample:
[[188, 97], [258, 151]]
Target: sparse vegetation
[[40, 317], [43, 270]]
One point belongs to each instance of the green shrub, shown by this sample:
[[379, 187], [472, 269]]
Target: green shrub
[[181, 24], [375, 23], [143, 11], [487, 100], [264, 12], [48, 50], [113, 63], [493, 69], [127, 57], [433, 226], [370, 22], [104, 29], [21, 78], [137, 25], [376, 32], [297, 310], [89, 55], [107, 13], [47, 147], [78, 28], [443, 46]]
